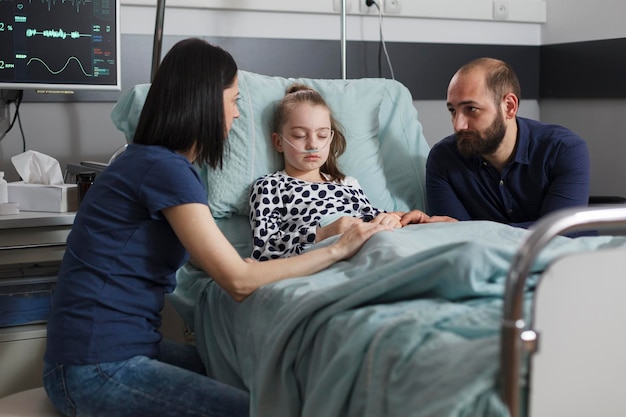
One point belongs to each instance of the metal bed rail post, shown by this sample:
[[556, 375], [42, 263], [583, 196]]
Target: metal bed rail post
[[513, 324]]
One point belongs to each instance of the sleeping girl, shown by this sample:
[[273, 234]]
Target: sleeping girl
[[310, 199]]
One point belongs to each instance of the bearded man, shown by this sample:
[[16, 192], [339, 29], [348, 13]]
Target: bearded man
[[499, 166]]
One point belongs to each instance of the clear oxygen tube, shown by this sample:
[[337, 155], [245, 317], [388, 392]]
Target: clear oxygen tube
[[314, 150]]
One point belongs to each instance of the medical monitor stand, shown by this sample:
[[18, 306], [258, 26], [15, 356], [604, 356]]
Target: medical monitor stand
[[5, 117], [6, 98]]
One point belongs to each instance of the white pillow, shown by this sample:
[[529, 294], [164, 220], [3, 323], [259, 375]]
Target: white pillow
[[375, 156]]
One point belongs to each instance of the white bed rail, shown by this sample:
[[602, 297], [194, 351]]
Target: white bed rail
[[515, 333]]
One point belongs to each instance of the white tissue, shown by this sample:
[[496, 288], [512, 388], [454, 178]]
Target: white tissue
[[37, 168]]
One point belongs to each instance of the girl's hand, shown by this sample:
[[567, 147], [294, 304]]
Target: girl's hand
[[335, 228], [388, 219]]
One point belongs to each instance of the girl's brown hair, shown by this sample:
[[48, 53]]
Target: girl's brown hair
[[300, 93]]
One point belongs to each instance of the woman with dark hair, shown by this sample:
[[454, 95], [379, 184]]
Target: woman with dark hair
[[143, 217]]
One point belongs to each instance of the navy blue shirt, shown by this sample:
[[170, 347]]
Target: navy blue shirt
[[549, 170], [121, 259]]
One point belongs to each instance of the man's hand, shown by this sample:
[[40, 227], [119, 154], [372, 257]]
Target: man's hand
[[437, 219], [418, 216]]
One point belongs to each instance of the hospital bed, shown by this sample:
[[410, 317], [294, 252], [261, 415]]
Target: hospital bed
[[428, 320]]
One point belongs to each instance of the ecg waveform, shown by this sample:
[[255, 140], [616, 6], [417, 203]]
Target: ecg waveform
[[51, 33], [76, 3], [72, 58]]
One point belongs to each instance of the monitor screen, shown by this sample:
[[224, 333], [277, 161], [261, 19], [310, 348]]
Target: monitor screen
[[60, 45]]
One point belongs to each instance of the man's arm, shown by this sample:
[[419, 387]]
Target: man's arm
[[441, 198], [570, 177], [569, 181]]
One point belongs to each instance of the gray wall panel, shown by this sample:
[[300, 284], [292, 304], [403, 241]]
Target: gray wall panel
[[591, 69], [425, 68]]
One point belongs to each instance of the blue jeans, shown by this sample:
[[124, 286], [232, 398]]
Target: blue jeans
[[175, 385]]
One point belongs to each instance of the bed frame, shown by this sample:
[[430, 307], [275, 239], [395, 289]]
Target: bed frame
[[573, 345]]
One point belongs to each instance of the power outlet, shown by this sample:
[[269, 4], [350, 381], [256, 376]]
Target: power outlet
[[337, 5], [500, 9], [392, 7], [364, 8]]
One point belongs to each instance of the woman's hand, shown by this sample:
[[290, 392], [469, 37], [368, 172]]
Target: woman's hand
[[355, 236], [388, 219], [335, 228], [210, 250]]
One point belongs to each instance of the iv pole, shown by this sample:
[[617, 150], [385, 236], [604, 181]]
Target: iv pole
[[343, 39]]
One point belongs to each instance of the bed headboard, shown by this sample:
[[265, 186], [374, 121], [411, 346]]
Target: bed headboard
[[386, 149]]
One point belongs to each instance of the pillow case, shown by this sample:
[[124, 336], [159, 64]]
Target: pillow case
[[386, 150]]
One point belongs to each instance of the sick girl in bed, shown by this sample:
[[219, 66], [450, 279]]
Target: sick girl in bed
[[310, 199]]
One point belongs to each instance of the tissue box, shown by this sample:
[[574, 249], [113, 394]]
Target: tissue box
[[43, 197]]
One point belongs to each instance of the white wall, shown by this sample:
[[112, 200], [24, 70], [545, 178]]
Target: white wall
[[283, 25], [433, 114], [573, 21], [83, 131], [601, 124]]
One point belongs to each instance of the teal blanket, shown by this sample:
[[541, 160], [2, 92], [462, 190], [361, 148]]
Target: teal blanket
[[407, 327]]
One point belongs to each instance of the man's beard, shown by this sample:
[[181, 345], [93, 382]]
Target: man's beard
[[471, 143]]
